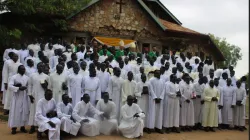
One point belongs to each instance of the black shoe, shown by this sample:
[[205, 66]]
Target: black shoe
[[22, 129], [39, 135], [32, 130], [241, 129], [236, 127], [189, 128], [206, 129], [13, 132], [211, 129], [159, 131], [6, 112], [167, 130], [177, 130]]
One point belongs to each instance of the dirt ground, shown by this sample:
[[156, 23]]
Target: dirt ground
[[5, 134]]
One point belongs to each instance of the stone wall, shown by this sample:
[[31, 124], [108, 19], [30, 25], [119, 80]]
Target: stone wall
[[104, 18]]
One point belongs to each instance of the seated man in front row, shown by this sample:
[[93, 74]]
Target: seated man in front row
[[108, 122], [64, 112], [46, 117], [131, 124], [89, 126]]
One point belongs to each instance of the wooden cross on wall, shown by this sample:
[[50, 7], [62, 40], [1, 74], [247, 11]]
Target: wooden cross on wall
[[120, 3]]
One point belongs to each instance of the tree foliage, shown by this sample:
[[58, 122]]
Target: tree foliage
[[232, 53]]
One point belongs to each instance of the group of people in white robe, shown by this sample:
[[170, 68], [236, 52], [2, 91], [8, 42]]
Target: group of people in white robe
[[50, 87]]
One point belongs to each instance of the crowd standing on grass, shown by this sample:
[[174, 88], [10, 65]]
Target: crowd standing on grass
[[94, 89]]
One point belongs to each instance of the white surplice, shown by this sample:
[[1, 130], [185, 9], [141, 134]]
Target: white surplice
[[64, 113], [75, 92], [35, 89], [187, 109], [19, 111], [55, 84], [239, 111], [92, 87], [171, 106], [115, 91], [143, 100], [128, 88], [107, 125], [43, 107], [130, 126], [157, 90], [82, 111], [229, 99]]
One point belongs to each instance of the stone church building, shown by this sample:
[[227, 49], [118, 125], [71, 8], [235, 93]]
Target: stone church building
[[148, 22]]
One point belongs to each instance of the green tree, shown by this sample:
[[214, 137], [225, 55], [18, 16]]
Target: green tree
[[232, 53]]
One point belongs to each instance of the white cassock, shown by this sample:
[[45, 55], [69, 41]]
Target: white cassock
[[43, 107], [114, 64], [134, 67], [179, 74], [171, 106], [198, 107], [6, 54], [137, 78], [19, 110], [55, 84], [80, 55], [143, 100], [187, 109], [64, 113], [131, 127], [239, 111], [82, 111], [9, 71], [107, 125], [127, 67], [206, 69], [104, 78], [4, 77], [157, 90], [164, 78], [53, 61], [128, 88], [115, 91], [84, 72], [75, 82], [58, 46], [218, 73], [210, 109], [234, 80], [229, 98], [29, 71], [222, 83], [68, 55], [35, 89], [22, 55], [124, 74], [35, 48], [92, 87], [220, 102], [50, 53]]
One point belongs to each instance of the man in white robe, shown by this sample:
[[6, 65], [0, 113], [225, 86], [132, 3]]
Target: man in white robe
[[163, 76], [68, 53], [131, 125], [92, 86], [142, 96], [9, 71], [187, 106], [104, 78], [58, 45], [64, 113], [229, 102], [115, 90], [83, 71], [198, 102], [223, 80], [210, 110], [75, 81], [31, 56], [19, 111], [58, 83], [23, 53], [171, 106], [36, 88], [30, 69], [81, 113], [128, 88], [220, 102], [137, 77], [35, 46], [46, 117], [157, 91], [239, 113], [108, 121]]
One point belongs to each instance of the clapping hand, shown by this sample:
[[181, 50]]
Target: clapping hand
[[136, 115]]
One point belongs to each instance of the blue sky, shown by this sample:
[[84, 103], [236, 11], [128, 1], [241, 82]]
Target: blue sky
[[223, 18]]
